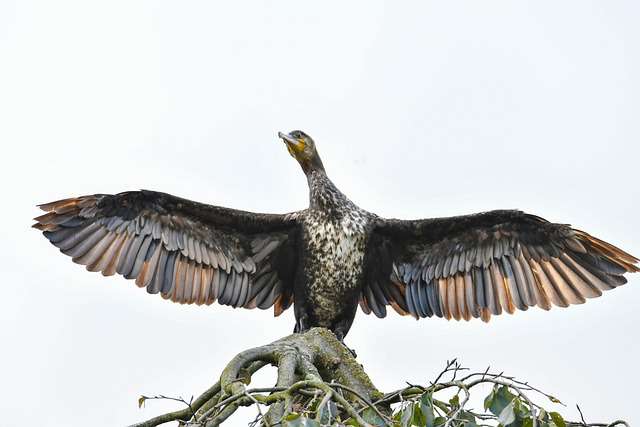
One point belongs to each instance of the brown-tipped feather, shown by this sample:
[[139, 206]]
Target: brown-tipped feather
[[277, 306], [205, 286], [51, 206], [398, 309], [460, 297], [180, 273], [48, 218], [452, 298], [444, 300], [45, 227], [499, 288], [580, 285], [542, 299], [108, 262], [469, 293], [364, 306], [613, 253], [197, 284], [92, 257], [586, 274], [564, 288], [545, 287], [188, 283]]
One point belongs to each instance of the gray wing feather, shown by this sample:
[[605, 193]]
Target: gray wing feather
[[489, 263], [187, 251]]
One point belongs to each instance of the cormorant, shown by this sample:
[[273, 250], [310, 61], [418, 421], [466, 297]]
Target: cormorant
[[333, 256]]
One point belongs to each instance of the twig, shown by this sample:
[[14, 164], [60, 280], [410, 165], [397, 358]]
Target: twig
[[260, 415], [461, 386], [184, 414], [324, 402], [364, 400]]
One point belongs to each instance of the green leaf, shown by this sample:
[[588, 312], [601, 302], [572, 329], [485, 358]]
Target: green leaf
[[502, 398], [406, 416], [295, 420], [426, 407], [542, 415], [507, 415], [292, 416], [522, 412], [310, 422], [324, 414], [370, 416], [439, 421], [521, 409], [488, 401], [469, 419], [557, 419], [418, 418], [455, 401]]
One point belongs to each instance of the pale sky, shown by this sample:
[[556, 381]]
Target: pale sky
[[419, 109]]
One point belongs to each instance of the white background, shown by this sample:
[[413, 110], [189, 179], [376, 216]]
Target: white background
[[419, 109]]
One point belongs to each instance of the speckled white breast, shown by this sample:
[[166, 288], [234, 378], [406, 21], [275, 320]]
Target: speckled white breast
[[334, 265]]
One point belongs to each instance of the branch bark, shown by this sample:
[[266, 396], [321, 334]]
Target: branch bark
[[308, 364], [320, 381]]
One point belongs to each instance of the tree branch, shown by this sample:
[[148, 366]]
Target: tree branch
[[315, 364]]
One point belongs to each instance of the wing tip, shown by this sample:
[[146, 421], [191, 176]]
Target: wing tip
[[59, 204], [40, 226], [612, 252]]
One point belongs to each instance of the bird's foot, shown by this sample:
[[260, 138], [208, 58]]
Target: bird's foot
[[352, 351], [340, 335]]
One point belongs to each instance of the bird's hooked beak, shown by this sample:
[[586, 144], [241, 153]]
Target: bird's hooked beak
[[295, 146]]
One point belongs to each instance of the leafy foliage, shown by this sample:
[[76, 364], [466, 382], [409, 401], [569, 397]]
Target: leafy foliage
[[504, 406]]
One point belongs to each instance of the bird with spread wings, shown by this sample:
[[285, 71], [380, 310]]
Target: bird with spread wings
[[333, 256]]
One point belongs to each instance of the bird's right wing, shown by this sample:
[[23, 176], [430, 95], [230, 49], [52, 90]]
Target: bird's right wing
[[484, 264], [187, 251]]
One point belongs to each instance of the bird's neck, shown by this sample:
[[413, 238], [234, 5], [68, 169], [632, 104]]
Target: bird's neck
[[323, 194]]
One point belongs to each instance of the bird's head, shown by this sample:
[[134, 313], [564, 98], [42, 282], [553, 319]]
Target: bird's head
[[303, 149]]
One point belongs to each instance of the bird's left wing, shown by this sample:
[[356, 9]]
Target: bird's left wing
[[188, 252], [484, 264]]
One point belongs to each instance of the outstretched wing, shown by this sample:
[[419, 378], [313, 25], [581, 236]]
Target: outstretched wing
[[188, 252], [484, 264]]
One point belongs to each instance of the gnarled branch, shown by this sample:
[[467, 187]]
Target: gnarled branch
[[320, 381]]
